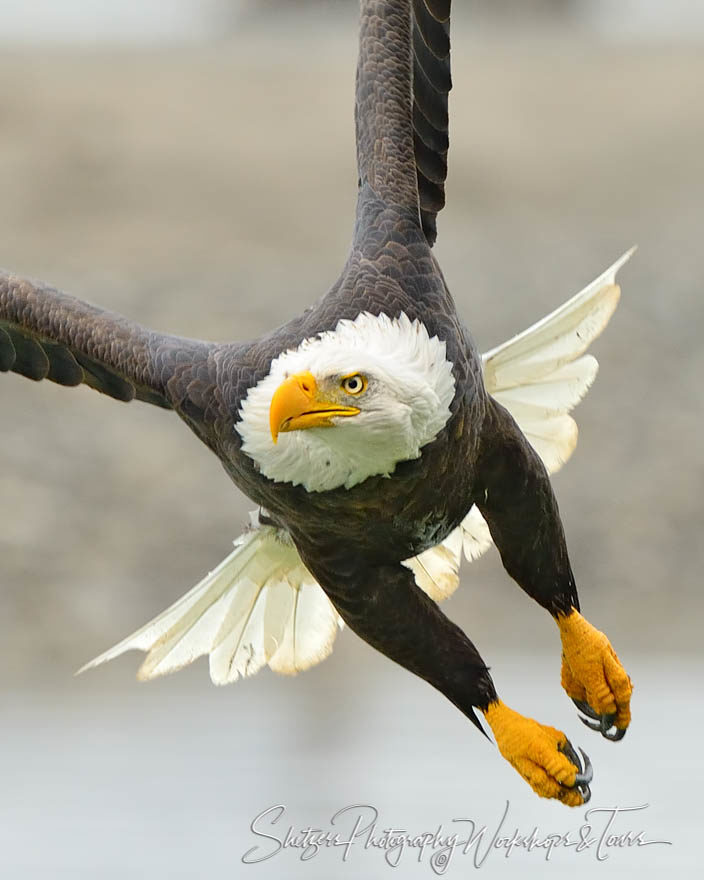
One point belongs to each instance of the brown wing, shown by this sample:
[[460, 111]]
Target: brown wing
[[46, 334], [431, 84], [403, 81]]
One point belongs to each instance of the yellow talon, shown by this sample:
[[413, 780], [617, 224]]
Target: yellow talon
[[537, 752], [593, 675]]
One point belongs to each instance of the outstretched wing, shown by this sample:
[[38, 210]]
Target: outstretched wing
[[431, 85], [46, 334], [403, 80]]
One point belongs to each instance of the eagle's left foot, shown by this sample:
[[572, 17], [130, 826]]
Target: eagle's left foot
[[542, 755], [593, 677]]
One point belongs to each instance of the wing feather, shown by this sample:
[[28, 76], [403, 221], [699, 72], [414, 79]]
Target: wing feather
[[432, 81], [46, 334]]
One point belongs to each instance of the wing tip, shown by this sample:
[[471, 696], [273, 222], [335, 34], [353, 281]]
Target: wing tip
[[103, 658], [84, 668], [610, 275]]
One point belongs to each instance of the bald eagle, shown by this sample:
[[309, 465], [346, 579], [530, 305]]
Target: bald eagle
[[374, 439]]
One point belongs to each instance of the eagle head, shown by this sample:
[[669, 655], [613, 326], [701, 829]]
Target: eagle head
[[348, 403]]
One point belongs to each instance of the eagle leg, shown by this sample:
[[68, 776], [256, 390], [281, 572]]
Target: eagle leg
[[542, 755], [386, 608], [593, 677], [520, 509]]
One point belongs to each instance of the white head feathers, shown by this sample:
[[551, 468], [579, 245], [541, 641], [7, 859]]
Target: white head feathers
[[405, 405]]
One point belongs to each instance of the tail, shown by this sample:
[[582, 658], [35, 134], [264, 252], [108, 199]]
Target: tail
[[259, 606], [541, 374]]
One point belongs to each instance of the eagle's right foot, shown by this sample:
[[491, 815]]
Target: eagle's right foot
[[542, 755], [593, 677]]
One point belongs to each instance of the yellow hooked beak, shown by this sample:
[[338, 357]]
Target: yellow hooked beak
[[297, 404]]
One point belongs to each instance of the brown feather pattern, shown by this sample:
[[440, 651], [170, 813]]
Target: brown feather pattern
[[46, 334], [432, 82]]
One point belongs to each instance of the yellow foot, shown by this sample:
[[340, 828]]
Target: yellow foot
[[593, 677], [542, 755]]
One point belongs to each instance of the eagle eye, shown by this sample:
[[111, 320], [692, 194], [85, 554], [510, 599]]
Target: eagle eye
[[354, 384]]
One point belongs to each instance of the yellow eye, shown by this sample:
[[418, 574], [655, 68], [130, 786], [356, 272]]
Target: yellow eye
[[354, 384]]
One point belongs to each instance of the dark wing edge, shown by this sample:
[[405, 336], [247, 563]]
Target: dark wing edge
[[47, 334], [432, 82]]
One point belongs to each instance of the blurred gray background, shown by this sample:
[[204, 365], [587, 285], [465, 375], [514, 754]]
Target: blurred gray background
[[191, 165]]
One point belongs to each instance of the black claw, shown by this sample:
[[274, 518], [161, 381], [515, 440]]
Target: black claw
[[605, 722], [586, 709], [618, 734], [584, 777], [569, 752]]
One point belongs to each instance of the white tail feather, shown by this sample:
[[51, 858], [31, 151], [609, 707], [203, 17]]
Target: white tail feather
[[476, 538], [262, 606], [239, 647], [558, 338], [309, 637], [437, 570], [541, 374], [259, 606]]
